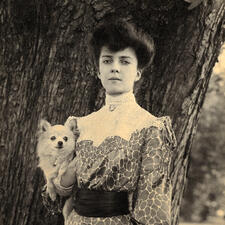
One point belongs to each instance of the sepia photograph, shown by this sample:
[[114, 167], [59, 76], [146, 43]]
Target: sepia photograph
[[112, 112]]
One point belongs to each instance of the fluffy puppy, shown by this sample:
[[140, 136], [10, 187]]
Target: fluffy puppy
[[56, 145]]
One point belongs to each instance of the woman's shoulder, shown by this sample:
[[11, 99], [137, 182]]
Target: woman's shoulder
[[158, 125], [80, 118], [83, 121], [150, 120]]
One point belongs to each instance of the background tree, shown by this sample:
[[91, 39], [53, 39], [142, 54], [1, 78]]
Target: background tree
[[205, 190], [46, 70]]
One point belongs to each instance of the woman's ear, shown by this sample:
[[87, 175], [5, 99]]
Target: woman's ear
[[99, 75], [138, 75]]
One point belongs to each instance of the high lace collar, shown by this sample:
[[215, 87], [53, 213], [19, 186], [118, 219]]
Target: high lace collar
[[120, 99]]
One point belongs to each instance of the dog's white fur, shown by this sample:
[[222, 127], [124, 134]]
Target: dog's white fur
[[55, 146]]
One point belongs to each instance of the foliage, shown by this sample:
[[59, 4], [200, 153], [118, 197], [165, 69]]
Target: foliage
[[206, 180]]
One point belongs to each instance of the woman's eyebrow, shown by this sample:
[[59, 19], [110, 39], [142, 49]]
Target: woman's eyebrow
[[110, 56], [121, 57], [126, 57]]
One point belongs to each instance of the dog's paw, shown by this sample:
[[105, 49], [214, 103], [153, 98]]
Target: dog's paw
[[52, 195], [51, 192]]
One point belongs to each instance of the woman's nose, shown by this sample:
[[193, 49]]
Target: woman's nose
[[114, 71], [115, 68]]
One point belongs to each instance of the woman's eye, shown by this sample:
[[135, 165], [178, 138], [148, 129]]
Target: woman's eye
[[125, 62], [65, 138], [107, 61], [53, 138]]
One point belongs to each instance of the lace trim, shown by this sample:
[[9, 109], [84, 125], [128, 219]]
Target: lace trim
[[160, 122], [121, 99]]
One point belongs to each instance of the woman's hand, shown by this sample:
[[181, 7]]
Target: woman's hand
[[67, 172]]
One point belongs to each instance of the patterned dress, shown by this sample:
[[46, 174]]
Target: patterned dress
[[122, 147]]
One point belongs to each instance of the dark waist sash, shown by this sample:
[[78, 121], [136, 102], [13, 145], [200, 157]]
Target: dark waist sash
[[91, 203]]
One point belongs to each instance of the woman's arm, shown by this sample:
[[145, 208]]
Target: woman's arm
[[65, 181], [68, 177], [152, 199]]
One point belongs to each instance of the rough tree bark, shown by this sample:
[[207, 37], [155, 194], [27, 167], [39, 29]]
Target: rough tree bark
[[46, 71]]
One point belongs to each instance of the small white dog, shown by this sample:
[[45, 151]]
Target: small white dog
[[56, 145]]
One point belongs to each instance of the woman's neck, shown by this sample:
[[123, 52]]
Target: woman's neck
[[120, 99]]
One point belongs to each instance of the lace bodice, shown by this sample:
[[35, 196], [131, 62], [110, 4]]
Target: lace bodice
[[125, 119], [126, 149]]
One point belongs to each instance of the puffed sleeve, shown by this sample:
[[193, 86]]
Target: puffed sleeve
[[71, 122], [152, 198]]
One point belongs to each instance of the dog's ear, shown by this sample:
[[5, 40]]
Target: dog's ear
[[44, 125], [71, 123]]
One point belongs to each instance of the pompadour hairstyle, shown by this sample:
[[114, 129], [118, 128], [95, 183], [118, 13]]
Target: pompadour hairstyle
[[117, 35]]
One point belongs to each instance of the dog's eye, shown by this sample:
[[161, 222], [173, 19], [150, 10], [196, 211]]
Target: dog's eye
[[53, 138], [65, 138]]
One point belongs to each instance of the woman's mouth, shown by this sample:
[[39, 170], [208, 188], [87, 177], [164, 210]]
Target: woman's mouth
[[115, 78]]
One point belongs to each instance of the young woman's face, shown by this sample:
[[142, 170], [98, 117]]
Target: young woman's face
[[118, 70]]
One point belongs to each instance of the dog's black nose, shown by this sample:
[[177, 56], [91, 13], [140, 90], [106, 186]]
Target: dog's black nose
[[60, 143]]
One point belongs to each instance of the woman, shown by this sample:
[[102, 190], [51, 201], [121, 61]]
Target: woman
[[120, 172]]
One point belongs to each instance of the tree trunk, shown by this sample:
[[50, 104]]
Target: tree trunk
[[46, 71]]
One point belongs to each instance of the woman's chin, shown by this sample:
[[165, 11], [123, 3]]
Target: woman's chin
[[115, 93]]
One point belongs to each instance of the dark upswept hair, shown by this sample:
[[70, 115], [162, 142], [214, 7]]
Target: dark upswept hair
[[117, 35]]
